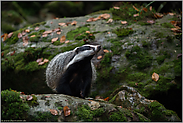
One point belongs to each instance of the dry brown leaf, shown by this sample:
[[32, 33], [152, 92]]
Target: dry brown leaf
[[37, 28], [105, 16], [54, 112], [25, 40], [54, 39], [158, 15], [74, 23], [58, 33], [95, 19], [136, 15], [19, 35], [44, 35], [2, 54], [171, 14], [145, 9], [151, 21], [99, 57], [51, 22], [87, 31], [106, 51], [66, 111], [10, 34], [62, 24], [135, 8], [116, 7], [110, 21], [39, 60], [5, 36], [62, 39], [33, 36], [56, 18], [12, 53], [56, 29], [176, 30], [66, 42], [124, 22], [29, 97], [155, 76], [27, 30], [150, 8], [89, 20], [47, 32], [46, 60], [40, 63], [23, 33]]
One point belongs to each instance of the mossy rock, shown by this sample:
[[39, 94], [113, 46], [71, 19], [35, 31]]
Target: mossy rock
[[12, 106]]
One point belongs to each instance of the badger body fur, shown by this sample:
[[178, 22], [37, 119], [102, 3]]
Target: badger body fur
[[72, 72]]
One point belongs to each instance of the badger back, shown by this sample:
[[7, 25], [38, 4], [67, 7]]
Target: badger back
[[56, 68]]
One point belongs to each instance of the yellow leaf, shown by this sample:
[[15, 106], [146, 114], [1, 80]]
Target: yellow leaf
[[116, 7], [66, 111], [106, 51], [33, 35], [110, 21], [136, 15], [53, 111], [155, 77], [66, 42], [99, 57], [74, 23], [54, 39], [135, 8], [123, 22], [87, 31]]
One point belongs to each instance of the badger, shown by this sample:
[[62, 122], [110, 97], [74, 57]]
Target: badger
[[72, 72]]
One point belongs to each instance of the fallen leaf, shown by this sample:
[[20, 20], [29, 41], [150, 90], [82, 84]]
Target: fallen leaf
[[54, 112], [46, 60], [179, 55], [10, 34], [89, 20], [106, 99], [74, 23], [151, 21], [39, 60], [54, 39], [22, 93], [44, 35], [56, 18], [98, 97], [150, 8], [158, 15], [123, 22], [23, 33], [110, 21], [99, 57], [108, 32], [171, 14], [95, 19], [58, 33], [33, 36], [145, 9], [12, 53], [62, 24], [47, 96], [37, 28], [62, 39], [40, 63], [176, 30], [47, 32], [105, 51], [116, 7], [5, 36], [68, 23], [105, 16], [66, 111], [27, 30], [29, 97], [66, 42], [155, 77], [51, 22], [94, 105], [56, 29], [25, 40], [120, 106], [136, 84], [87, 31], [135, 8], [2, 54], [136, 15]]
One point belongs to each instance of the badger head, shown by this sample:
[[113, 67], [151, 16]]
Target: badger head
[[85, 52]]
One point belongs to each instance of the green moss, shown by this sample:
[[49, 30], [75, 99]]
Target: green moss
[[47, 26], [73, 33], [143, 23], [6, 27], [142, 118], [116, 47], [60, 108], [139, 56], [57, 43], [137, 77], [45, 39], [84, 113], [34, 39], [31, 66], [121, 32], [72, 46], [178, 67], [117, 117], [43, 117], [145, 44], [159, 35], [167, 25], [38, 24], [12, 107], [32, 102]]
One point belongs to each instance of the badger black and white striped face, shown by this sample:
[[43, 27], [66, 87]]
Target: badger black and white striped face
[[85, 52]]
